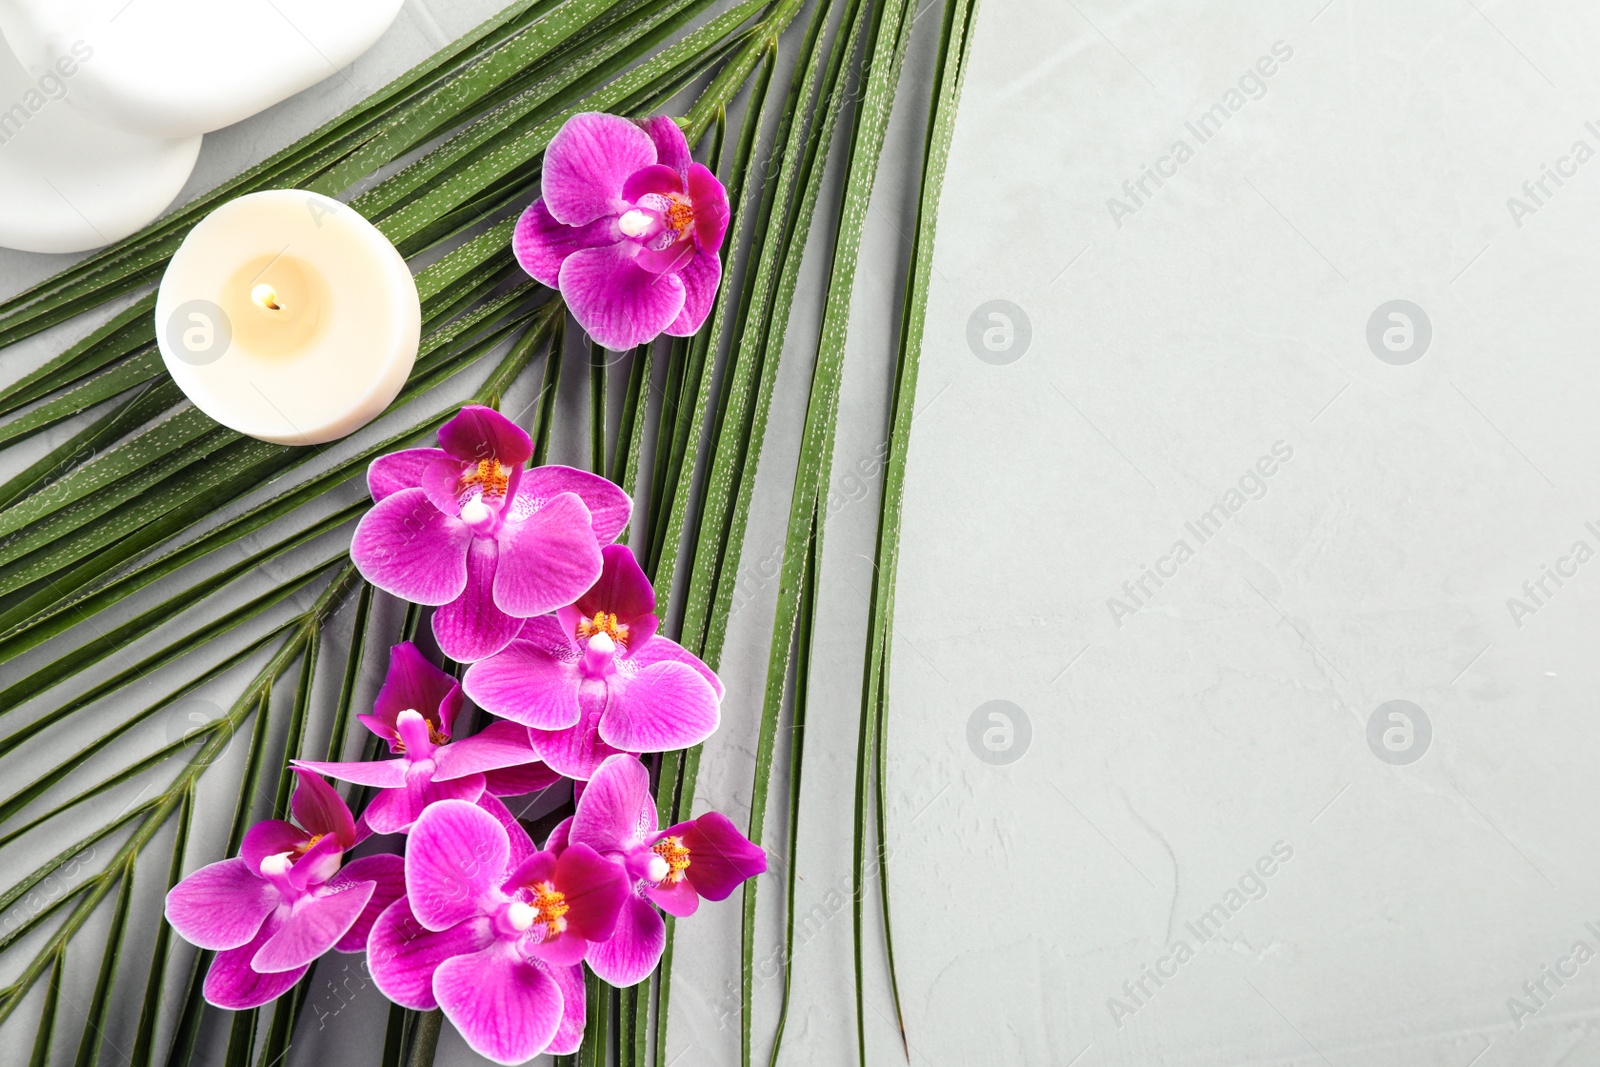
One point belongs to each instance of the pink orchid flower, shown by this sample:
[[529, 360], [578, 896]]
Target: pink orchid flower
[[707, 857], [415, 713], [284, 900], [596, 679], [463, 527], [492, 931], [628, 229]]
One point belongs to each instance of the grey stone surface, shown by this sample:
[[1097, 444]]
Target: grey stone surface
[[1202, 533]]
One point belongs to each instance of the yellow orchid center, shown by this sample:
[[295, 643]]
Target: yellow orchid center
[[604, 622], [306, 846], [491, 478], [676, 853], [679, 215], [549, 905]]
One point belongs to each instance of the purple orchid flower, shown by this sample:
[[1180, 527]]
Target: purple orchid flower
[[463, 527], [415, 713], [492, 931], [707, 857], [596, 679], [628, 229], [284, 900]]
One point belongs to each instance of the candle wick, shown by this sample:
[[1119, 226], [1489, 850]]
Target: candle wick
[[266, 296]]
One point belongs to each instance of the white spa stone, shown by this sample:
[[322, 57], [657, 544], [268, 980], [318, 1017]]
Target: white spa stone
[[174, 68], [287, 316], [67, 183]]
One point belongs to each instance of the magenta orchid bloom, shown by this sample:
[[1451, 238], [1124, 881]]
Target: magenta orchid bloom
[[707, 857], [595, 679], [492, 931], [415, 713], [284, 900], [628, 229], [464, 528]]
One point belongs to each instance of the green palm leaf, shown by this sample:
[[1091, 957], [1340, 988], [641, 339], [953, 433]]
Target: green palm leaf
[[125, 541]]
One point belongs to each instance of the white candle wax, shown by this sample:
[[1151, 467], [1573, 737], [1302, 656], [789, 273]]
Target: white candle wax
[[67, 183], [287, 316], [174, 68]]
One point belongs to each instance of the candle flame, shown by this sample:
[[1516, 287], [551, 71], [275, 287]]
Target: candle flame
[[266, 296]]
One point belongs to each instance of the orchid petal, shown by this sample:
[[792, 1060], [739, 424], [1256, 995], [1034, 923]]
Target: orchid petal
[[669, 260], [387, 873], [402, 954], [408, 547], [319, 808], [595, 888], [700, 277], [664, 650], [472, 626], [533, 681], [569, 1036], [441, 483], [622, 589], [519, 781], [558, 950], [315, 924], [500, 744], [546, 560], [672, 147], [609, 507], [629, 955], [382, 774], [385, 730], [477, 433], [657, 178], [559, 836], [616, 810], [414, 684], [389, 474], [576, 752], [233, 984], [507, 1007], [270, 837], [663, 707], [711, 211], [720, 857], [521, 845], [586, 164], [318, 863], [678, 900], [455, 862], [618, 302], [541, 244], [395, 811], [221, 905]]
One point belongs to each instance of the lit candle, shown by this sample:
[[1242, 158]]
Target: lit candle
[[287, 316]]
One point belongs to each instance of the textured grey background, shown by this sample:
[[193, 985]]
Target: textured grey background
[[1174, 343]]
